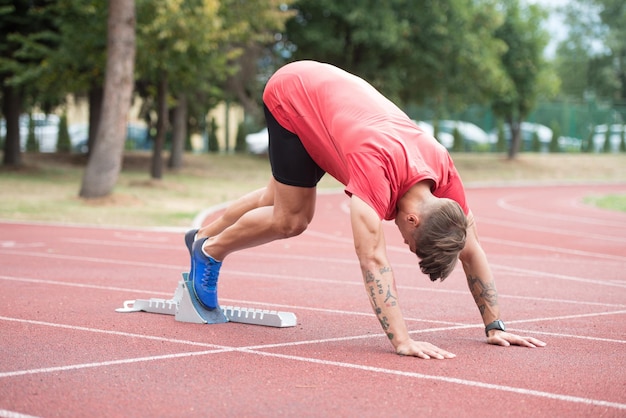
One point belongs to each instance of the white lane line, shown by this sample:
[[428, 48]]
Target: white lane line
[[110, 363], [535, 273], [553, 249], [109, 332], [505, 203], [94, 260], [544, 229], [255, 351], [152, 293], [453, 380], [12, 414], [531, 273]]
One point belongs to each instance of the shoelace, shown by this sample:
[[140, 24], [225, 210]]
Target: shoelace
[[209, 276]]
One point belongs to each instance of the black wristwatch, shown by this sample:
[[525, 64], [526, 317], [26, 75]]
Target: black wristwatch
[[497, 324]]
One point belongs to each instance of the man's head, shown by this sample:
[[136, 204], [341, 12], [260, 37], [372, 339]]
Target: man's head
[[436, 233]]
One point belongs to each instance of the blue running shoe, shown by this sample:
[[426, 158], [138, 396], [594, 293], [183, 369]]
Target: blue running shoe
[[204, 274], [190, 236]]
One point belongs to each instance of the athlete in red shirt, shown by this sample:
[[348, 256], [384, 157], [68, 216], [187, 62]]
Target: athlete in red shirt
[[324, 120]]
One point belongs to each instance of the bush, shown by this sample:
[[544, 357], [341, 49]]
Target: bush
[[213, 145], [32, 145], [64, 144], [554, 141]]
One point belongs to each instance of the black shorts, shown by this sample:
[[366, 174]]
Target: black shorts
[[291, 163]]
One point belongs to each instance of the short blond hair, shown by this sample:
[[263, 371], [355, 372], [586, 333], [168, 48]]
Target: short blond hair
[[440, 237]]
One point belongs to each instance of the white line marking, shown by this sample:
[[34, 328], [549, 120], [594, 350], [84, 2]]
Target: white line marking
[[255, 351], [504, 203], [529, 227], [109, 332], [552, 249], [11, 414], [535, 273], [110, 363], [306, 279], [454, 380]]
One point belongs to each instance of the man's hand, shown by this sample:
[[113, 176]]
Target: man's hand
[[506, 339], [422, 350]]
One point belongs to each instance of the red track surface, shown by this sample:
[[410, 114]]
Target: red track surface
[[560, 269]]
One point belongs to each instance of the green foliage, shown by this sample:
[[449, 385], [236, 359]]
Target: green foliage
[[556, 134], [586, 70], [501, 143], [622, 140], [458, 144], [523, 62], [244, 128], [535, 144], [64, 144], [606, 147], [32, 144], [213, 143], [412, 51]]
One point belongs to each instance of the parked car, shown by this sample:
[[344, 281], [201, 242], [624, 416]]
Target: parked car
[[615, 136], [46, 129], [445, 138], [136, 137], [527, 131], [258, 142]]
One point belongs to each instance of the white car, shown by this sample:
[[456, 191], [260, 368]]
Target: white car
[[446, 139], [258, 142], [615, 136], [527, 130], [46, 131]]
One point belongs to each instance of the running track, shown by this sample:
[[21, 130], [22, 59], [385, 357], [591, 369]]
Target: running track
[[560, 269]]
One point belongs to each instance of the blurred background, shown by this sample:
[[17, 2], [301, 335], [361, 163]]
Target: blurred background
[[504, 76]]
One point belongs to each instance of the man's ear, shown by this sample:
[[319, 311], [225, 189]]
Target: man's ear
[[413, 219]]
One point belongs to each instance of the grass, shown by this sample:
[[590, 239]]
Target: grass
[[611, 202], [46, 187]]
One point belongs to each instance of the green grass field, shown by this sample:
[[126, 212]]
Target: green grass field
[[46, 187]]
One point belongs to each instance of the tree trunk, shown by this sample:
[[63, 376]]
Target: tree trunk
[[11, 108], [96, 94], [515, 138], [161, 127], [105, 161], [179, 134]]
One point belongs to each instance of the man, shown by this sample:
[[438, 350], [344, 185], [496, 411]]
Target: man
[[322, 119]]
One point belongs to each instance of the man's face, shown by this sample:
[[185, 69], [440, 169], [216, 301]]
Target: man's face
[[407, 225]]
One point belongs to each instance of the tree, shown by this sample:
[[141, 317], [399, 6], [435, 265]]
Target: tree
[[179, 55], [26, 31], [524, 65], [105, 161], [440, 52]]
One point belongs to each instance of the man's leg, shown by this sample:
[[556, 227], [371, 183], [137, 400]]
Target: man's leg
[[253, 200], [289, 215]]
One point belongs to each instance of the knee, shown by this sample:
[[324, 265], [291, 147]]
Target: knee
[[291, 227]]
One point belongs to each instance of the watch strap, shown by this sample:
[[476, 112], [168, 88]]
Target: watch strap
[[497, 324]]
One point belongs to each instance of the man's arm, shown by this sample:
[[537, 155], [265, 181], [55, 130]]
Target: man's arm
[[482, 286], [369, 243]]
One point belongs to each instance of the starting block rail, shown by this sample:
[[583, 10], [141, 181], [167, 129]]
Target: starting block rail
[[186, 308]]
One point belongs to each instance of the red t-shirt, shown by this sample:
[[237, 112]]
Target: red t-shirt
[[358, 136]]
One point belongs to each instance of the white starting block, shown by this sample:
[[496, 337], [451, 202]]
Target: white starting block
[[186, 308]]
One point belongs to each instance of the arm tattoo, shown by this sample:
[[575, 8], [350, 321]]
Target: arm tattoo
[[376, 288], [485, 292]]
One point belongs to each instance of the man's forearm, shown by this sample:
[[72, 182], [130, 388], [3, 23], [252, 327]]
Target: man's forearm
[[485, 295], [381, 289]]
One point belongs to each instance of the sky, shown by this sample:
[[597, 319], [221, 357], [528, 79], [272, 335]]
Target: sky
[[554, 24]]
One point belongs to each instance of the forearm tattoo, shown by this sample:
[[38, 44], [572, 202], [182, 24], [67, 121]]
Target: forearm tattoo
[[375, 288], [484, 293]]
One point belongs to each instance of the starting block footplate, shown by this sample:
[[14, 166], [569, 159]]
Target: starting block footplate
[[186, 307]]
